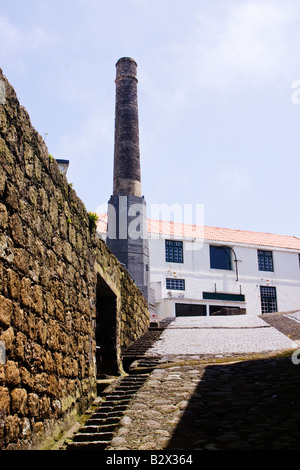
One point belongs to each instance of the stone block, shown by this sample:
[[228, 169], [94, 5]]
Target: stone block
[[43, 201], [3, 179], [13, 284], [21, 260], [53, 212], [72, 235], [8, 337], [12, 197], [27, 378], [37, 299], [25, 428], [26, 292], [17, 230], [41, 332], [6, 310], [3, 216], [20, 342], [33, 405], [4, 402], [12, 428], [53, 389], [29, 325], [12, 374], [45, 408], [6, 248], [19, 401]]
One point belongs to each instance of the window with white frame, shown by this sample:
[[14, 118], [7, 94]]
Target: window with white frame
[[265, 260], [268, 299], [175, 284], [174, 251]]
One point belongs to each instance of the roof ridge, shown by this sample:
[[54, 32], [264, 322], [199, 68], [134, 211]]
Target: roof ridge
[[221, 234], [226, 228]]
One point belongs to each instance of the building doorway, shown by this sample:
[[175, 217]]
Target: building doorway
[[106, 330]]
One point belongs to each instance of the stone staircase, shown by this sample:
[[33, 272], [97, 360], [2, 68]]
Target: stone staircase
[[138, 349], [107, 412], [98, 430]]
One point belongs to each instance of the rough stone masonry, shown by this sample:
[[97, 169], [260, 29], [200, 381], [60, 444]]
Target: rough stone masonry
[[63, 294]]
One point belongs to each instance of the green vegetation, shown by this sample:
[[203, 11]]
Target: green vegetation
[[93, 219]]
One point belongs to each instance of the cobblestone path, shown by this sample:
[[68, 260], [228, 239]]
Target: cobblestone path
[[188, 404], [212, 402]]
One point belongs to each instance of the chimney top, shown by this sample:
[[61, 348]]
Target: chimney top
[[126, 68], [126, 59]]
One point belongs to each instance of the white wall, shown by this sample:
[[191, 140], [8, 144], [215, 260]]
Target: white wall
[[199, 277]]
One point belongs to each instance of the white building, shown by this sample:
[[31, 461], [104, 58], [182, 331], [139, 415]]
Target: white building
[[209, 271]]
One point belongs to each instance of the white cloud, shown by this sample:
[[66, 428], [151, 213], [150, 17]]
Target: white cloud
[[14, 40], [252, 43], [249, 42], [243, 47]]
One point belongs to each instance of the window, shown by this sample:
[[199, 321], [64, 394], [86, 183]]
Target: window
[[175, 284], [215, 310], [268, 299], [190, 310], [174, 251], [220, 257], [265, 260]]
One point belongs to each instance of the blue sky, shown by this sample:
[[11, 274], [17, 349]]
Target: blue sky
[[218, 125]]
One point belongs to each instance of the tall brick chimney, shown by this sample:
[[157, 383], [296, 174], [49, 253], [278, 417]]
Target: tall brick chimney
[[127, 211], [127, 173]]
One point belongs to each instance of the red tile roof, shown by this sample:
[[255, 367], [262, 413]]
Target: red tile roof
[[217, 234]]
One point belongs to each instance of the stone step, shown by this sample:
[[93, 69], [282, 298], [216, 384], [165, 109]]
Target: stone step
[[93, 437], [123, 395], [120, 408], [95, 422], [121, 401], [135, 386], [88, 445], [103, 421], [135, 381], [100, 415], [119, 396], [115, 414], [104, 409], [113, 420], [125, 388], [104, 416], [101, 425], [90, 428]]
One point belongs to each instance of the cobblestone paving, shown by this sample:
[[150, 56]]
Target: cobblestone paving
[[220, 402], [220, 335], [187, 404]]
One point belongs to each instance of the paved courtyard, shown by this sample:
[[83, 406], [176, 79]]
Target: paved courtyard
[[205, 392], [221, 335], [192, 401]]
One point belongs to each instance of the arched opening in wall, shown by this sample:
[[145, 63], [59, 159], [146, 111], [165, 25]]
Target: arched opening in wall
[[106, 330]]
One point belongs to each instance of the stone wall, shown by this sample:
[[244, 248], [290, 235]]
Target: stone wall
[[54, 276]]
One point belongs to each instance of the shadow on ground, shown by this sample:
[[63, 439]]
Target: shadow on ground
[[246, 405]]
